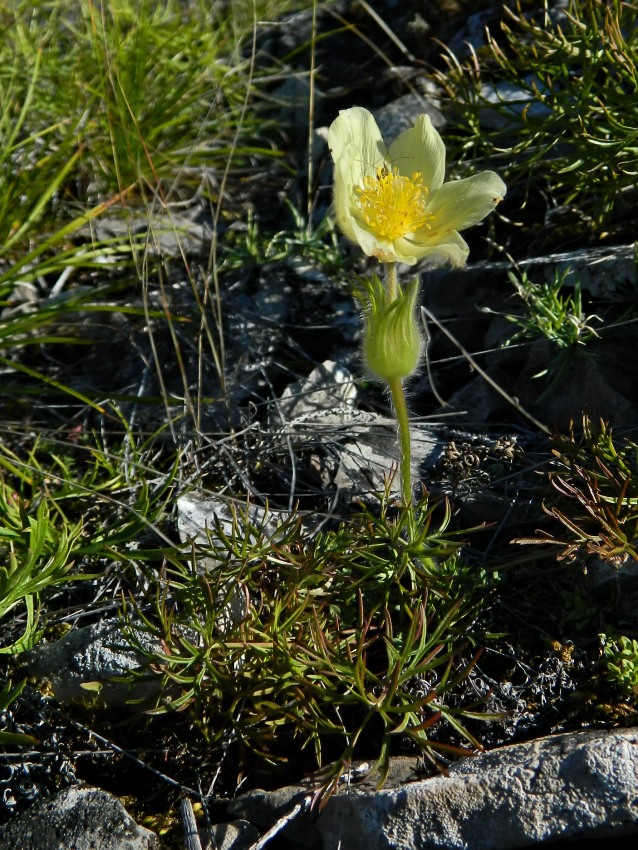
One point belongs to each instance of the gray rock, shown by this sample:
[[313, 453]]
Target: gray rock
[[622, 573], [166, 231], [355, 452], [79, 665], [328, 388], [364, 453], [600, 271], [295, 100], [472, 35], [600, 384], [567, 786], [234, 835], [574, 785], [79, 818], [359, 449], [201, 515], [507, 102], [264, 808], [400, 114]]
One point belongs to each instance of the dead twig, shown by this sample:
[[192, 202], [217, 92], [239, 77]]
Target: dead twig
[[191, 834]]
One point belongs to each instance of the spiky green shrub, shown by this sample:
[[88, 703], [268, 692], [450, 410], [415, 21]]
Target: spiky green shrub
[[595, 495], [340, 642], [620, 660], [554, 313], [570, 104]]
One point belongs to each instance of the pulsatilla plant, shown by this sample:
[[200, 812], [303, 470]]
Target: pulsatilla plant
[[344, 642], [393, 202], [596, 485], [334, 644]]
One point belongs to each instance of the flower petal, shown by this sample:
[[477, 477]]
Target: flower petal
[[355, 139], [462, 203], [420, 149], [448, 245], [373, 246], [343, 195]]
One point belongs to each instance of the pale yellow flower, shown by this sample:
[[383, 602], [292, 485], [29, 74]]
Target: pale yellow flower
[[393, 201]]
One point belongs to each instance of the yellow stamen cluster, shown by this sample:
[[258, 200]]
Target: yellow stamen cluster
[[393, 205]]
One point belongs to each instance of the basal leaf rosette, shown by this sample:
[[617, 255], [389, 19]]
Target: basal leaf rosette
[[393, 201]]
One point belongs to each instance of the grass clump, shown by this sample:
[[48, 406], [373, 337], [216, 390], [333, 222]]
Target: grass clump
[[331, 646], [65, 510], [251, 246], [35, 555], [552, 312], [129, 93], [108, 107]]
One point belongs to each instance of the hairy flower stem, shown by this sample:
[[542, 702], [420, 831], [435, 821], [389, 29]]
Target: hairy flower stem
[[403, 423], [391, 280], [400, 407]]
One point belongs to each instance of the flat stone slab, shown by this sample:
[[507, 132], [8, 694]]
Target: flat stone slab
[[600, 271], [568, 786]]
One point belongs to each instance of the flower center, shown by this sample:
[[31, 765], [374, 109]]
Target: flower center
[[393, 205]]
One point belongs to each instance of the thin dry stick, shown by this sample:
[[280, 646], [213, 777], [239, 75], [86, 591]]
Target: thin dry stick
[[298, 809], [114, 748], [428, 365], [364, 38], [387, 30], [191, 835], [515, 404]]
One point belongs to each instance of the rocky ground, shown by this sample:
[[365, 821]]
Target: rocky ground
[[487, 431]]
